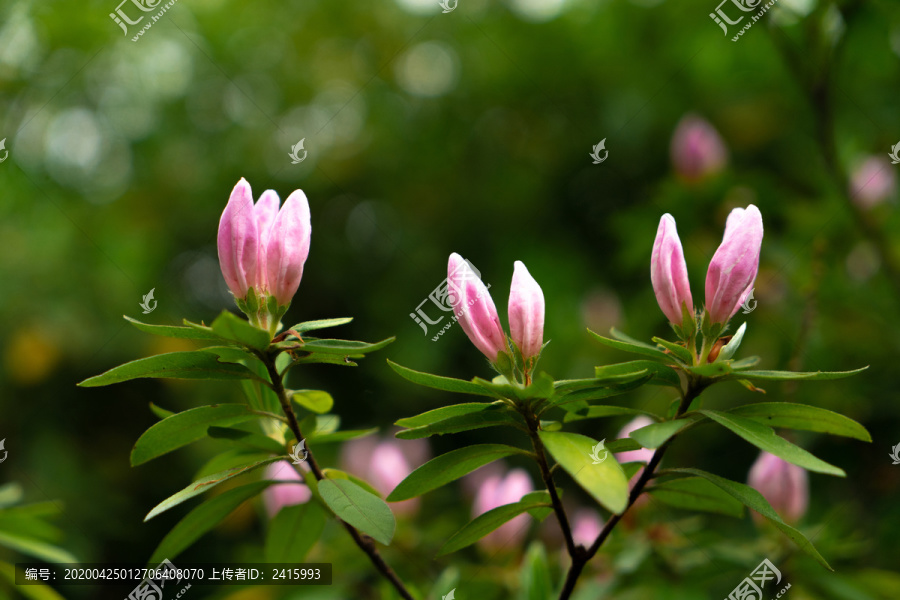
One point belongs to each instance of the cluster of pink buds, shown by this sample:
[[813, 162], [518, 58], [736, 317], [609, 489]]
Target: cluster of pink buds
[[262, 250], [474, 309]]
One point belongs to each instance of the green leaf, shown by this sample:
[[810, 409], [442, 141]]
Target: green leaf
[[11, 493], [794, 375], [173, 331], [160, 412], [38, 591], [631, 345], [231, 327], [622, 445], [36, 549], [655, 435], [340, 436], [246, 439], [542, 498], [305, 326], [631, 468], [207, 483], [202, 519], [196, 364], [635, 369], [184, 428], [754, 500], [765, 438], [676, 350], [294, 531], [733, 344], [343, 347], [492, 415], [696, 493], [485, 523], [447, 384], [443, 413], [600, 411], [804, 418], [338, 474], [745, 363], [577, 400], [604, 481], [449, 467], [357, 507], [315, 400], [535, 580], [716, 369]]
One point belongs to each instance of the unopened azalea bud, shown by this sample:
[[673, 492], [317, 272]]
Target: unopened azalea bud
[[668, 273], [526, 312], [697, 150], [586, 527], [784, 485], [277, 496], [474, 308], [873, 182], [262, 251], [496, 491], [732, 270]]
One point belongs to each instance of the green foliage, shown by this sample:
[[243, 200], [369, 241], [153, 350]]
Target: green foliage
[[364, 510]]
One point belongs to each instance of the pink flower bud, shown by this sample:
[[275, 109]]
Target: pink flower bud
[[668, 272], [474, 308], [277, 496], [873, 182], [733, 268], [586, 527], [697, 150], [784, 485], [288, 247], [238, 241], [496, 491], [526, 312]]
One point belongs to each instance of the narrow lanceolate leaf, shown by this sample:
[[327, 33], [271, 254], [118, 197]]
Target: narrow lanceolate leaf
[[490, 417], [655, 435], [343, 347], [174, 331], [601, 411], [793, 376], [662, 374], [294, 531], [206, 483], [443, 413], [544, 506], [717, 369], [365, 511], [804, 418], [231, 327], [202, 519], [603, 480], [630, 345], [449, 467], [35, 548], [159, 411], [485, 523], [447, 384], [696, 493], [184, 428], [302, 328], [755, 501], [323, 437], [315, 400], [765, 438], [246, 439], [677, 350], [174, 365]]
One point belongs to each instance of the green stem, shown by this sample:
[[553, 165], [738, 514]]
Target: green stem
[[365, 543]]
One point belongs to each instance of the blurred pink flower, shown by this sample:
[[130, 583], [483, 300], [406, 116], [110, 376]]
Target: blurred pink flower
[[586, 526], [276, 497], [385, 462], [642, 455], [784, 485], [697, 150], [496, 491], [873, 181]]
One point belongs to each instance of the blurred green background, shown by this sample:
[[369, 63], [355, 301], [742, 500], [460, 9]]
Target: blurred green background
[[429, 133]]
